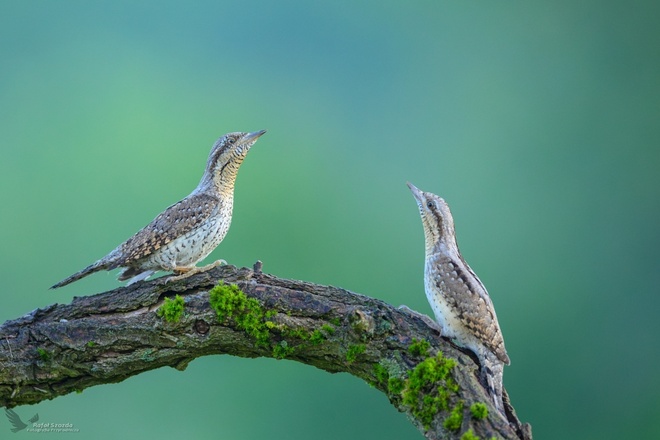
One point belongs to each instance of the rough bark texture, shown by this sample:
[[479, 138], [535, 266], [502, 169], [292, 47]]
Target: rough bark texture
[[108, 337]]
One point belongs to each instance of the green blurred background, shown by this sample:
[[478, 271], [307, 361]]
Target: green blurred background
[[539, 124]]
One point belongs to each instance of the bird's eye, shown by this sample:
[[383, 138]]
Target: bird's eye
[[429, 204]]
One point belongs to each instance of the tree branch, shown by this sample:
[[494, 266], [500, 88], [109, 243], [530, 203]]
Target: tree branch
[[108, 337]]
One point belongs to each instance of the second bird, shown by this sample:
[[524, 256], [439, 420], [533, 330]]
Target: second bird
[[459, 300], [186, 232]]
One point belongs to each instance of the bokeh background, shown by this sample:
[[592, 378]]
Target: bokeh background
[[539, 124]]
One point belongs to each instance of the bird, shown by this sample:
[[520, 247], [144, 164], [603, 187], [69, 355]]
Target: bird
[[187, 231], [16, 422], [458, 298]]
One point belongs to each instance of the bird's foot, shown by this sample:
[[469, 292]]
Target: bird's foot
[[216, 263], [185, 272], [428, 321]]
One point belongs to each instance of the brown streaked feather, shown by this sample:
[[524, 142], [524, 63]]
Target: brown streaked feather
[[471, 303], [175, 221]]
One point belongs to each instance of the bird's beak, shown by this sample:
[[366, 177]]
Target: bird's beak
[[417, 193], [252, 137]]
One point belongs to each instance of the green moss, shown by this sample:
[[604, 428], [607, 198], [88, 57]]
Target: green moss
[[428, 388], [381, 374], [172, 309], [229, 302], [479, 410], [320, 335], [386, 373], [419, 348], [294, 333], [395, 385], [353, 352], [455, 419], [44, 354], [328, 329], [91, 344], [469, 435], [282, 350], [317, 337], [335, 322]]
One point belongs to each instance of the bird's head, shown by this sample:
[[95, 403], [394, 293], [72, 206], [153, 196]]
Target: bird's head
[[226, 157], [437, 221]]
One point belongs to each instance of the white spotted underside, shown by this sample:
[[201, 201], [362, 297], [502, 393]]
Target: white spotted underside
[[194, 246]]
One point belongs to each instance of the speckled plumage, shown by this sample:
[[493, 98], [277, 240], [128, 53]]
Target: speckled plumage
[[186, 232], [459, 300]]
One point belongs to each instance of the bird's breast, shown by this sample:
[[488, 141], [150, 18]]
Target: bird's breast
[[444, 313], [195, 245]]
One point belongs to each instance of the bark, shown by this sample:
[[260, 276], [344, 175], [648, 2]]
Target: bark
[[108, 337]]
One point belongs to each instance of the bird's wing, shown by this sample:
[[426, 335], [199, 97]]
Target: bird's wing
[[34, 418], [174, 222], [15, 420], [468, 297]]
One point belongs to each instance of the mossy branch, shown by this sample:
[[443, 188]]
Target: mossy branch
[[108, 337]]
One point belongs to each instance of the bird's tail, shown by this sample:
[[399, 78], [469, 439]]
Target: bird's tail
[[99, 265], [493, 369]]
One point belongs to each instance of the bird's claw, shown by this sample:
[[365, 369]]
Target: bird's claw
[[184, 273]]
